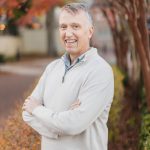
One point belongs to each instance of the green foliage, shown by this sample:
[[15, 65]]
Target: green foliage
[[18, 12], [131, 121], [2, 59], [22, 10], [116, 105], [144, 143], [145, 133]]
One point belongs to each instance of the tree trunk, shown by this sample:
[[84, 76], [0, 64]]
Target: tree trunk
[[120, 42], [143, 59]]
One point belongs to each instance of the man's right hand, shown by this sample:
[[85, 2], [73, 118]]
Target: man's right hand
[[76, 104]]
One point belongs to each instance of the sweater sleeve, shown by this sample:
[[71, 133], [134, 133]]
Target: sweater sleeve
[[38, 126], [95, 94], [37, 94]]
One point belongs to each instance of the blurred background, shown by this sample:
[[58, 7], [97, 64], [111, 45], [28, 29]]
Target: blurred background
[[29, 40]]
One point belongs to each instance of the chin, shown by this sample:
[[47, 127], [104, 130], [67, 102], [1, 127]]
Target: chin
[[70, 50]]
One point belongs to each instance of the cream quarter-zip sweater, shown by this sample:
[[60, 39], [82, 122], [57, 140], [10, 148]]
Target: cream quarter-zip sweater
[[91, 82]]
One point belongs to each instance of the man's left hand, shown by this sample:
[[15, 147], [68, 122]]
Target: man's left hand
[[30, 104]]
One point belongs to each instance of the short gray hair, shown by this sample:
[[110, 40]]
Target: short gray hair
[[76, 7]]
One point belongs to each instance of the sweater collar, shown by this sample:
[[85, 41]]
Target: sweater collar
[[82, 58]]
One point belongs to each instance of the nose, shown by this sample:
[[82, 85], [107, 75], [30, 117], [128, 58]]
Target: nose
[[68, 33]]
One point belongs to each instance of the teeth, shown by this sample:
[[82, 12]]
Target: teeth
[[70, 41]]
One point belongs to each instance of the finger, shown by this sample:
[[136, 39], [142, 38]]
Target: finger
[[31, 98], [26, 100], [74, 106], [76, 103], [23, 108], [24, 105]]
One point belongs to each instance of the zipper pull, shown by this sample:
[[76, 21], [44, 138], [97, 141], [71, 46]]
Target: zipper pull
[[63, 78]]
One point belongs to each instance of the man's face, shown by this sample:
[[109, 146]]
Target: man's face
[[75, 32]]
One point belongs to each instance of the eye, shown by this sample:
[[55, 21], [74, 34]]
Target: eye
[[75, 27], [63, 27]]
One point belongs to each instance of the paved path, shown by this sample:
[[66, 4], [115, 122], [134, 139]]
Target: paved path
[[16, 79]]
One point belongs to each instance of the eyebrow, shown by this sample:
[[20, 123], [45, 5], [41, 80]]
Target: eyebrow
[[70, 24]]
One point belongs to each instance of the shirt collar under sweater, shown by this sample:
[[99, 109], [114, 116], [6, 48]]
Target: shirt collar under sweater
[[82, 58]]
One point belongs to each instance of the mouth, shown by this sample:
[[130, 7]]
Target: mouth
[[70, 41]]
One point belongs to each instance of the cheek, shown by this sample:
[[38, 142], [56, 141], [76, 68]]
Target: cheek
[[62, 37], [61, 34], [84, 37], [80, 36]]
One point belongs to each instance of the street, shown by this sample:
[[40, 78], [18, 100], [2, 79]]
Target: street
[[16, 81]]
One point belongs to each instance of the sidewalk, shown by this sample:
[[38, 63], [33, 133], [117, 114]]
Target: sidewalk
[[26, 67], [15, 80]]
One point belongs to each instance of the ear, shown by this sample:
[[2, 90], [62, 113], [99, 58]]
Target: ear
[[91, 30]]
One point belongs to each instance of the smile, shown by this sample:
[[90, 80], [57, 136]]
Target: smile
[[70, 41]]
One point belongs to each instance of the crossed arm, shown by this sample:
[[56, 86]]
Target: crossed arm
[[94, 96], [29, 105]]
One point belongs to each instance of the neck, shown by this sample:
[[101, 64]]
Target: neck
[[74, 57]]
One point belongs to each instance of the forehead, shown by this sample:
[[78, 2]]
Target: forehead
[[68, 17]]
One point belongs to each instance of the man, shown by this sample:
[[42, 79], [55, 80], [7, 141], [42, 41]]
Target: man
[[69, 107]]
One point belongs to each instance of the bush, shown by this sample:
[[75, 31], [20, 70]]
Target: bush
[[2, 59], [144, 143], [145, 133], [116, 105], [16, 135]]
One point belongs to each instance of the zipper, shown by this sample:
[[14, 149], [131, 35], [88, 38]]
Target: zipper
[[63, 78], [66, 70]]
